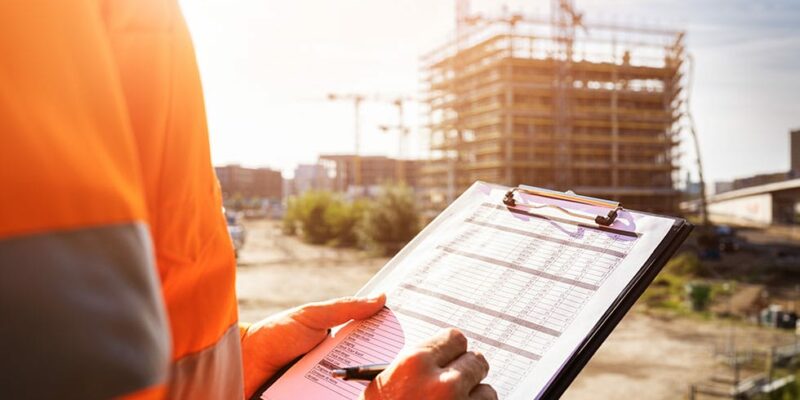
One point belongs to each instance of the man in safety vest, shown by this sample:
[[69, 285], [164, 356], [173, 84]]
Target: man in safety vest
[[116, 271]]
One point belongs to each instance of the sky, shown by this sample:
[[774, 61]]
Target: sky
[[268, 65]]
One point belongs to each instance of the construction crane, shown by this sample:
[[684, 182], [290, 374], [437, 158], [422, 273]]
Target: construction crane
[[357, 99], [693, 132], [403, 131]]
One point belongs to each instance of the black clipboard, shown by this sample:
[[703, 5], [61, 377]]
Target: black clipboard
[[574, 365], [664, 251]]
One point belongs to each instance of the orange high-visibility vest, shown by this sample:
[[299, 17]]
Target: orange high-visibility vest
[[116, 269]]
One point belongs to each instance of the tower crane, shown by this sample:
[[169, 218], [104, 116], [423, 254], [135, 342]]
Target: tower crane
[[403, 131], [357, 99]]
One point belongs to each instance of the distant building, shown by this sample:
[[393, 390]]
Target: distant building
[[759, 206], [310, 177], [248, 183], [288, 187], [723, 186], [760, 179], [758, 200], [692, 188], [369, 172]]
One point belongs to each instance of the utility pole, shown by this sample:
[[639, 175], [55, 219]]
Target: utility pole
[[357, 99]]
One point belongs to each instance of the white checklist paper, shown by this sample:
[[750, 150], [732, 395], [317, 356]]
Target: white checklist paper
[[525, 284]]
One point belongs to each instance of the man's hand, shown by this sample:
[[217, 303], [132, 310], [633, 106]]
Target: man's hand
[[440, 369], [272, 343]]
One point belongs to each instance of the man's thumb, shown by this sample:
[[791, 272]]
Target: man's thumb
[[327, 314]]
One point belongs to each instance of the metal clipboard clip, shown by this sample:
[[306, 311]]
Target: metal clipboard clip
[[604, 220]]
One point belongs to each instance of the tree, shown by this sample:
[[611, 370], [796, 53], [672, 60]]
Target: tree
[[390, 221]]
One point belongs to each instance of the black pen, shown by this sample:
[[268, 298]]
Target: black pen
[[359, 373]]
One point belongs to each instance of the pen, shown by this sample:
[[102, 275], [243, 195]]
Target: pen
[[359, 373]]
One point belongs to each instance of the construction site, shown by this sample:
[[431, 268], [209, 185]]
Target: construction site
[[564, 101], [554, 101]]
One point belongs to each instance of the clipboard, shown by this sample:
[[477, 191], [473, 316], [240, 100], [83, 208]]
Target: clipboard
[[680, 230], [669, 244]]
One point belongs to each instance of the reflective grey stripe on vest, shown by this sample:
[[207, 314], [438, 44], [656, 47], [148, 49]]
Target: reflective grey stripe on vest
[[81, 315], [212, 373]]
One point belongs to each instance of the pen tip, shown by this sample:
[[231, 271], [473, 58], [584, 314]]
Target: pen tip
[[338, 373]]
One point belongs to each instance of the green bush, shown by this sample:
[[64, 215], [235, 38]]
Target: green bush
[[323, 218], [342, 219], [665, 292], [390, 221], [698, 294], [684, 264], [676, 288], [668, 288], [312, 218], [384, 224], [307, 214]]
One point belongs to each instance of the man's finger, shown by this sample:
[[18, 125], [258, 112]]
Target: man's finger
[[472, 368], [447, 345], [483, 392], [327, 314]]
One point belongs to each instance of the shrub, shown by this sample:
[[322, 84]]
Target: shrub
[[665, 292], [675, 286], [312, 220], [306, 213], [390, 221], [698, 294], [383, 225], [323, 218], [684, 264], [342, 219]]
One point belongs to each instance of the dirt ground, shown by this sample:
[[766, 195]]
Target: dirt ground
[[645, 357], [277, 272]]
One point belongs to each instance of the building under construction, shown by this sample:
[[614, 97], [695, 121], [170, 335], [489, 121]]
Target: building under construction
[[555, 102]]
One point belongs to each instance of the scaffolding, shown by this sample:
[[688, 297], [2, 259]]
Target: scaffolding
[[558, 103]]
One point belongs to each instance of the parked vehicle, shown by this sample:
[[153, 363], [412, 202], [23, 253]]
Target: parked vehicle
[[729, 241]]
